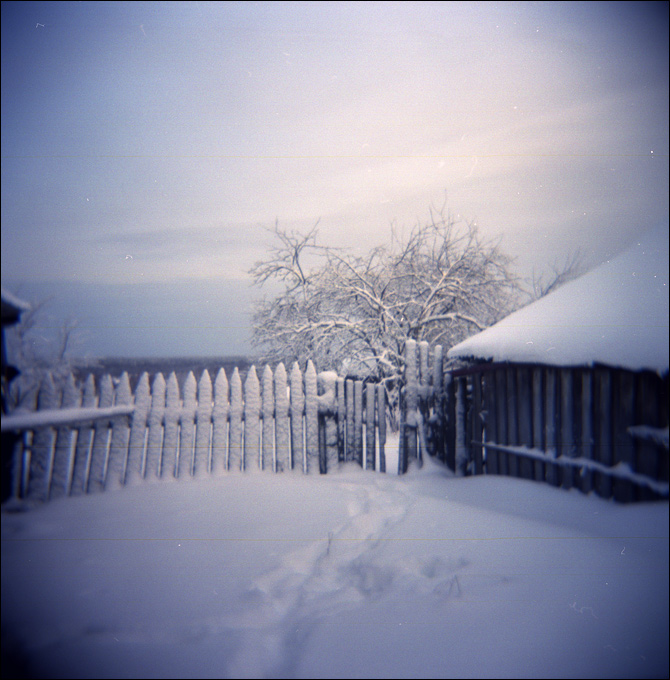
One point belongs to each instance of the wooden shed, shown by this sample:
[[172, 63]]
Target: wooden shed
[[573, 388]]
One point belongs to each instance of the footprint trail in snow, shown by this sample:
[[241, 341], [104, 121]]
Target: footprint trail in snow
[[330, 576]]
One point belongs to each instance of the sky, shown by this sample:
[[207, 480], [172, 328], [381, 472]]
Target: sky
[[147, 147], [351, 574]]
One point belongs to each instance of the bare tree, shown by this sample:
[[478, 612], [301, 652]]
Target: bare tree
[[353, 313], [571, 268]]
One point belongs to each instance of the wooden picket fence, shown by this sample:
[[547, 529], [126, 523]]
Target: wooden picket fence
[[596, 429], [98, 436]]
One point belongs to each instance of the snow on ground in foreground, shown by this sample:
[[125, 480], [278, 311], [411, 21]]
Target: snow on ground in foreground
[[353, 574]]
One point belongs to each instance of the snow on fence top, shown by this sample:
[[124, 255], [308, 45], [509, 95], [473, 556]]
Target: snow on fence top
[[616, 314]]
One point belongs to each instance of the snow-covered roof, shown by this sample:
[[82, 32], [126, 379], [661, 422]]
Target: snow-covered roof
[[616, 314]]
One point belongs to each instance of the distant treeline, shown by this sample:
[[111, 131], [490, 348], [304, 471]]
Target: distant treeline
[[135, 366]]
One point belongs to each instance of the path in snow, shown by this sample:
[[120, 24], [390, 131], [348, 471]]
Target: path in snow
[[316, 581]]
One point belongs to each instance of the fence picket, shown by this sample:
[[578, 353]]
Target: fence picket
[[328, 422], [66, 439], [268, 407], [156, 434], [604, 431], [350, 442], [282, 459], [370, 426], [185, 459], [252, 426], [525, 415], [491, 423], [586, 444], [501, 418], [512, 420], [203, 426], [41, 455], [101, 439], [437, 404], [462, 449], [650, 412], [358, 422], [297, 410], [235, 450], [82, 458], [118, 449], [220, 412], [311, 420], [171, 438], [568, 447], [409, 408], [381, 425], [538, 420], [477, 425], [624, 451], [138, 432]]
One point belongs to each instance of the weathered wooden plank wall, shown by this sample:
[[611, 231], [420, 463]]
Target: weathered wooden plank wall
[[596, 429]]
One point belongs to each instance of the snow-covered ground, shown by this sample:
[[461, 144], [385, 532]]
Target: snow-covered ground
[[352, 574]]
